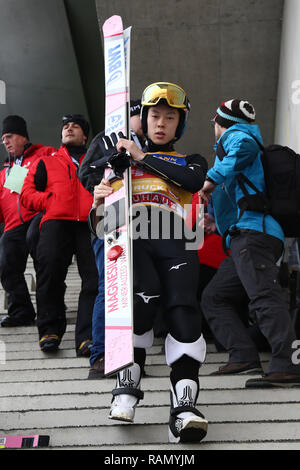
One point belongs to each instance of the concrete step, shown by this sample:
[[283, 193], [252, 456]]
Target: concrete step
[[154, 356], [67, 373], [50, 394], [96, 416], [32, 351], [93, 396], [61, 365], [65, 386], [138, 435], [192, 451]]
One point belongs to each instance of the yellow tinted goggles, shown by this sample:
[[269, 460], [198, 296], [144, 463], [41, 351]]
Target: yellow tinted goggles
[[173, 94]]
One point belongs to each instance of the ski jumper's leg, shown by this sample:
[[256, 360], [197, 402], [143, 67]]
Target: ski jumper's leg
[[185, 345], [146, 297]]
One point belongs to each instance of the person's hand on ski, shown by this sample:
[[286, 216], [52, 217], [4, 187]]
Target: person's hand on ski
[[136, 154], [101, 191]]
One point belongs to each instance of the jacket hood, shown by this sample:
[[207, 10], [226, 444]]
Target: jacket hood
[[29, 149], [32, 148], [251, 129]]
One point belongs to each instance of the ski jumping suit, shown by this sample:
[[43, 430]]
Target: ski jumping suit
[[165, 273], [163, 270]]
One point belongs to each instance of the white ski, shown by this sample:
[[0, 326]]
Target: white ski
[[117, 240]]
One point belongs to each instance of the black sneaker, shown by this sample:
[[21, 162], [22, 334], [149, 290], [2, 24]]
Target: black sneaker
[[239, 368], [50, 343], [84, 349], [278, 379], [11, 321]]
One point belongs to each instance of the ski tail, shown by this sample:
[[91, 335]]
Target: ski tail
[[23, 442]]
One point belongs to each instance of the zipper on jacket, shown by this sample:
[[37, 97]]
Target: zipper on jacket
[[78, 199], [19, 210], [77, 192], [77, 196]]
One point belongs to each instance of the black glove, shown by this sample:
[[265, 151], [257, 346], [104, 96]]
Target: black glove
[[121, 160], [118, 161]]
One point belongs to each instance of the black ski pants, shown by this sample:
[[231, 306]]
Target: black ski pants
[[166, 275], [251, 271], [13, 259], [59, 241]]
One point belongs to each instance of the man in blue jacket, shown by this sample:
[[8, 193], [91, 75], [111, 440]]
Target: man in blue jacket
[[256, 243]]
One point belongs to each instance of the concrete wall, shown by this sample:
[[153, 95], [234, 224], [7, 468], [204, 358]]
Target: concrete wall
[[82, 18], [215, 49], [39, 67], [288, 109]]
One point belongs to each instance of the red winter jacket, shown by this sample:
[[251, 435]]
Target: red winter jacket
[[52, 187], [211, 252], [12, 211]]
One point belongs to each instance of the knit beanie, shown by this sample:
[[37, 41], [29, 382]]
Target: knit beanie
[[235, 112], [77, 119], [14, 125]]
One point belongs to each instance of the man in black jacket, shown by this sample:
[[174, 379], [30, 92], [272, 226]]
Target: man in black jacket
[[90, 176]]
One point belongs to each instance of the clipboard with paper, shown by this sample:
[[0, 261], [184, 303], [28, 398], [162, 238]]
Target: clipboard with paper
[[15, 179]]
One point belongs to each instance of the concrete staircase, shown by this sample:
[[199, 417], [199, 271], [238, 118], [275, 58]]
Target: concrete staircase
[[50, 395]]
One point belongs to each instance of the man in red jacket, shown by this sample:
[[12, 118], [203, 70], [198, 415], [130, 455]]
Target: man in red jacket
[[52, 186], [18, 220]]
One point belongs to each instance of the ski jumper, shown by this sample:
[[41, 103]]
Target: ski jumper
[[163, 270]]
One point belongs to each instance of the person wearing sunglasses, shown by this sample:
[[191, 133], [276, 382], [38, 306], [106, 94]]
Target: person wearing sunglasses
[[164, 271], [53, 187]]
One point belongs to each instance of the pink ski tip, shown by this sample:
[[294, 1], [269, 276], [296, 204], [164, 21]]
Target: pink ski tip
[[113, 26]]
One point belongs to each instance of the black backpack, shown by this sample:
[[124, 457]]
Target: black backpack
[[282, 176]]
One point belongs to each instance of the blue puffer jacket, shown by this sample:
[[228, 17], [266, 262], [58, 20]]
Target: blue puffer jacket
[[243, 155]]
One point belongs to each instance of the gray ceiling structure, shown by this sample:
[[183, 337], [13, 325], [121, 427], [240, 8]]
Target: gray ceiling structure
[[52, 63]]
